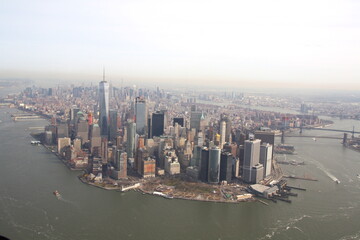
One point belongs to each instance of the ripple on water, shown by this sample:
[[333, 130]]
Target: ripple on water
[[284, 226], [35, 221]]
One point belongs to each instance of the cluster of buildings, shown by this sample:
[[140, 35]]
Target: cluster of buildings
[[121, 132]]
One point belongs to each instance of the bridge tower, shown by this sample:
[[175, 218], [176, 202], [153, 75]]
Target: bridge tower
[[345, 139], [282, 137]]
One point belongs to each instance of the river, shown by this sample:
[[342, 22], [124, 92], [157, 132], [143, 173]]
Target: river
[[29, 210]]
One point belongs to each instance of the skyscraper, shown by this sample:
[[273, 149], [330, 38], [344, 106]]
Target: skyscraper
[[228, 128], [214, 165], [73, 113], [266, 137], [179, 120], [226, 164], [195, 118], [251, 158], [113, 125], [266, 158], [158, 123], [104, 107], [130, 147], [222, 133], [141, 116], [82, 130], [204, 165]]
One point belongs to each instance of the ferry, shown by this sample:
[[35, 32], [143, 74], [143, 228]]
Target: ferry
[[56, 193], [163, 195], [35, 142]]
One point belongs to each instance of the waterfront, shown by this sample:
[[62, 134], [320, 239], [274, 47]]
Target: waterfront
[[30, 174]]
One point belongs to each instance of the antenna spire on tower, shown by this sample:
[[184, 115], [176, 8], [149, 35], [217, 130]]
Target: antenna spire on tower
[[104, 74]]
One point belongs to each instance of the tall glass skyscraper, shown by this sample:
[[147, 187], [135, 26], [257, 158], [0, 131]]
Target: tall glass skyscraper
[[141, 116], [158, 123], [214, 165], [113, 124], [104, 107]]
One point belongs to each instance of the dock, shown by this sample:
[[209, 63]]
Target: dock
[[301, 178], [297, 188], [135, 186]]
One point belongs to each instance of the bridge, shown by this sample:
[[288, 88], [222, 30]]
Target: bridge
[[328, 137], [327, 129], [344, 138]]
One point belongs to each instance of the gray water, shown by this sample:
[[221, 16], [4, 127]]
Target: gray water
[[29, 210]]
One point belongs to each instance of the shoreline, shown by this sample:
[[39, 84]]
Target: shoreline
[[204, 198], [144, 192]]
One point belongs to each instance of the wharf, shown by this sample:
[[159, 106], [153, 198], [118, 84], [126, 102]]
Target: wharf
[[297, 188], [301, 178]]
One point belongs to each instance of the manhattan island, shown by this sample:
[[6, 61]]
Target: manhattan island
[[164, 143]]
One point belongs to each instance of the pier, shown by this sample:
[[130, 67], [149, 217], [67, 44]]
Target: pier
[[135, 186], [25, 116], [297, 188], [301, 178]]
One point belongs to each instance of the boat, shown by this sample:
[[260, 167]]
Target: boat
[[56, 193], [314, 139], [358, 175], [163, 195], [337, 181], [284, 149]]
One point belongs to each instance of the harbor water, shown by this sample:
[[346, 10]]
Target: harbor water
[[29, 210]]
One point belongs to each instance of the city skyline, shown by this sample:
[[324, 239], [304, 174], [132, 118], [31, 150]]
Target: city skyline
[[269, 44]]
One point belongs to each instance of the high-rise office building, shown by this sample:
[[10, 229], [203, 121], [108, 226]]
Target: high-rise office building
[[226, 166], [266, 158], [104, 151], [77, 144], [196, 158], [90, 118], [195, 118], [178, 120], [120, 165], [104, 107], [148, 167], [158, 123], [204, 164], [228, 128], [95, 140], [171, 165], [266, 137], [113, 125], [222, 134], [214, 165], [257, 173], [251, 158], [73, 113], [141, 115], [130, 147], [199, 140], [62, 143], [62, 130], [82, 130], [231, 148]]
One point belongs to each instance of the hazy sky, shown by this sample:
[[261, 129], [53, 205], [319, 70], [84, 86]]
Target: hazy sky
[[244, 43]]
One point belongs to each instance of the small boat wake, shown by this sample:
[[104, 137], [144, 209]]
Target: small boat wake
[[331, 176], [59, 197]]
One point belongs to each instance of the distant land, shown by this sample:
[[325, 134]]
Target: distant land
[[11, 82]]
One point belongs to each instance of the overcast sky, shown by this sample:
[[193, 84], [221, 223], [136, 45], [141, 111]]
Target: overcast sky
[[240, 43]]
